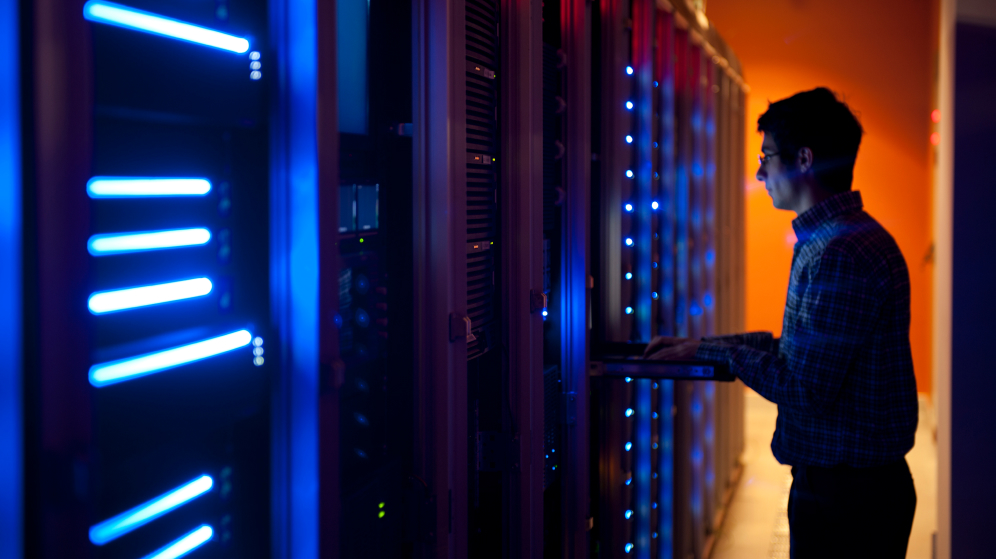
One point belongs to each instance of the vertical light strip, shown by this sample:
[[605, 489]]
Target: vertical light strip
[[113, 372], [117, 15], [131, 187], [184, 545], [143, 241], [113, 528], [11, 394], [104, 302]]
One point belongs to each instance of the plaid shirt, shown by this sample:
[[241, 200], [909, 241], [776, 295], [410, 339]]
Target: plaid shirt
[[842, 372]]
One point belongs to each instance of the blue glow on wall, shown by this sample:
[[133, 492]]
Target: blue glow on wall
[[141, 241], [99, 11], [11, 429], [130, 187], [113, 372], [136, 297], [184, 545], [117, 526]]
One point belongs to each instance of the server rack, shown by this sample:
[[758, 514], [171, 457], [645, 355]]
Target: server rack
[[667, 447], [149, 197], [407, 323]]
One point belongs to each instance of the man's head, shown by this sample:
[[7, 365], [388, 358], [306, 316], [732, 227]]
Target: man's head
[[810, 144]]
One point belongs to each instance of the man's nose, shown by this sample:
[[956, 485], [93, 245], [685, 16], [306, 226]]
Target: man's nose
[[761, 175]]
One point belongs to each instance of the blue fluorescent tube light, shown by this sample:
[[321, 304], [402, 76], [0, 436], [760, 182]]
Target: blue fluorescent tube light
[[184, 545], [136, 297], [129, 187], [117, 15], [113, 528], [113, 372], [141, 241]]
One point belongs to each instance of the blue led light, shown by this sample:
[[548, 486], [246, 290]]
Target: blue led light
[[184, 545], [654, 505], [629, 70], [707, 300], [128, 187], [545, 313], [628, 514], [629, 275], [629, 412], [629, 241], [99, 11], [629, 446], [629, 173], [629, 480], [113, 528], [628, 207], [628, 379], [654, 205], [134, 297], [629, 139], [629, 105], [120, 243], [654, 295], [113, 372], [629, 310], [655, 83], [655, 415], [629, 547]]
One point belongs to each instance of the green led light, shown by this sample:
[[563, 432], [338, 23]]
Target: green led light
[[380, 505], [381, 514], [361, 240]]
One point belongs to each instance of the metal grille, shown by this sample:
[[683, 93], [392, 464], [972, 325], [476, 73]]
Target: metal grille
[[482, 172]]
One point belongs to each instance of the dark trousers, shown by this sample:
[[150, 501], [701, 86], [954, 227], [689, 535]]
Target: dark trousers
[[849, 513]]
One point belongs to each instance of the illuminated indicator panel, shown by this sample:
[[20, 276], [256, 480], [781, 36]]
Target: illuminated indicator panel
[[667, 186], [178, 280]]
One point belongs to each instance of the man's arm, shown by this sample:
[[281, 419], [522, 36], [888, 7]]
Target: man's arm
[[837, 314]]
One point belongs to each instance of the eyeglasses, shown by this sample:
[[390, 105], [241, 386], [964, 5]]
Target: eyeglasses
[[763, 158]]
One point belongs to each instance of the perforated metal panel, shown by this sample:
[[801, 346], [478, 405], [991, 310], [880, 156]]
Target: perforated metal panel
[[482, 173]]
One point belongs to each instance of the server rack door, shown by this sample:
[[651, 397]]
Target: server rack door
[[168, 290], [666, 206], [373, 318]]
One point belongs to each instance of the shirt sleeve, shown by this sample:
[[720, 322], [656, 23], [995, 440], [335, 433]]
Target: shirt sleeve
[[761, 341], [838, 310]]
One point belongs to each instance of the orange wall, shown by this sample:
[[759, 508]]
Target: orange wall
[[877, 54]]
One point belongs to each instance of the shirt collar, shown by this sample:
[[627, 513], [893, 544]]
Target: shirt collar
[[837, 205]]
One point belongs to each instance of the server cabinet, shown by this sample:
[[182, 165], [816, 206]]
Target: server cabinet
[[149, 373], [372, 315], [655, 191]]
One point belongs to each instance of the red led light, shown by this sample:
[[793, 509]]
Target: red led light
[[935, 115], [935, 138]]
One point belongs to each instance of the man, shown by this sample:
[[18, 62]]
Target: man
[[842, 372]]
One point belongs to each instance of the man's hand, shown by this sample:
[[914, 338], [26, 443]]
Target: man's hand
[[661, 342], [681, 352]]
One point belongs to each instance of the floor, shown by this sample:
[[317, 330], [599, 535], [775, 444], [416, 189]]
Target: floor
[[756, 525]]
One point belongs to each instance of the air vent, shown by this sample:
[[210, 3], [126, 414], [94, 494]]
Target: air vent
[[482, 173]]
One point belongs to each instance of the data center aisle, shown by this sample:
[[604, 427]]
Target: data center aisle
[[756, 525]]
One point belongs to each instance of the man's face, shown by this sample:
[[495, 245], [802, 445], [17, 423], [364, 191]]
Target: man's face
[[779, 175]]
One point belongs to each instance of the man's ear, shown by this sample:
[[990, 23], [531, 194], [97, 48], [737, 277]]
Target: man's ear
[[805, 159]]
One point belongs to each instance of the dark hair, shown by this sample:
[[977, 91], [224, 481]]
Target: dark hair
[[818, 120]]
